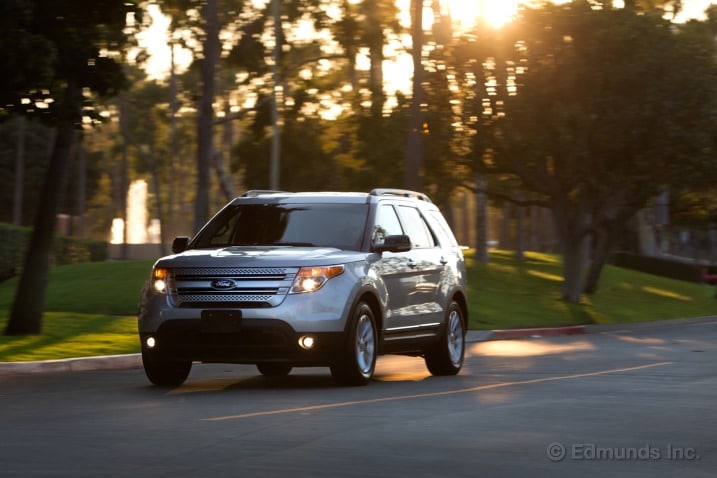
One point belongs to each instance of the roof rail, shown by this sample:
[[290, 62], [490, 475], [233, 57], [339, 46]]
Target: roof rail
[[260, 192], [400, 192]]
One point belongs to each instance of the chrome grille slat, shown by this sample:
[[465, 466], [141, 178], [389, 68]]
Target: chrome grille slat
[[230, 272], [225, 298], [257, 287]]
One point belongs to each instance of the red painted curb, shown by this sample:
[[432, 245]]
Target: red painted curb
[[509, 334]]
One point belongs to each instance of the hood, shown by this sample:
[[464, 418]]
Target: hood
[[261, 256]]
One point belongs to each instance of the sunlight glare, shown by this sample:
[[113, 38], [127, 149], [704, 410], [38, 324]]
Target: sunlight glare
[[527, 348], [495, 12], [667, 293]]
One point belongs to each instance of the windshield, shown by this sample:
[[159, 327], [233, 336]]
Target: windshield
[[320, 225]]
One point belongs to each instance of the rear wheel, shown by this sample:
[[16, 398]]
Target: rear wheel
[[357, 362], [446, 357], [163, 372], [271, 369]]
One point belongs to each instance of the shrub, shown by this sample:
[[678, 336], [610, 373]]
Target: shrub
[[66, 250], [659, 266]]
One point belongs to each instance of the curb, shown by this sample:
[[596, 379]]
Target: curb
[[79, 364], [134, 361], [534, 333]]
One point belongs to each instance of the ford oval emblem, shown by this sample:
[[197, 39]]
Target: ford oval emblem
[[223, 284]]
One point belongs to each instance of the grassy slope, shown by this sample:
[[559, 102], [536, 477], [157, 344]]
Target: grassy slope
[[90, 308], [509, 294]]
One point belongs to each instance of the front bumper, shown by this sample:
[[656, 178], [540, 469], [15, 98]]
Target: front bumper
[[254, 341]]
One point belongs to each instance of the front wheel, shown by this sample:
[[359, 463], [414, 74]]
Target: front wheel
[[446, 356], [163, 372], [357, 361]]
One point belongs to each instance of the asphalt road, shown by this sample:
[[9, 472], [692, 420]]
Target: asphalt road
[[611, 403]]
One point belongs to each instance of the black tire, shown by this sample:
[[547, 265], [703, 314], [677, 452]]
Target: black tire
[[446, 356], [357, 361], [271, 369], [165, 373]]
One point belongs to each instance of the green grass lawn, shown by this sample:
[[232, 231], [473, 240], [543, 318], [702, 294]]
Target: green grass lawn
[[91, 308], [509, 294]]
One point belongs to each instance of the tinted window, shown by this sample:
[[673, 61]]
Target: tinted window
[[387, 223], [416, 227], [328, 225]]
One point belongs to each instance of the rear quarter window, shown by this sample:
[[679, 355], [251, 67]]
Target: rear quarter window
[[442, 229], [416, 227]]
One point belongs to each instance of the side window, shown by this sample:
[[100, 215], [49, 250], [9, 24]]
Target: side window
[[387, 223], [442, 229], [416, 227]]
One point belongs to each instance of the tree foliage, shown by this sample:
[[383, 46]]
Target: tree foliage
[[72, 41], [580, 107], [593, 110]]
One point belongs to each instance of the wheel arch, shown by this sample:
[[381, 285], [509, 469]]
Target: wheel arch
[[462, 301], [372, 300]]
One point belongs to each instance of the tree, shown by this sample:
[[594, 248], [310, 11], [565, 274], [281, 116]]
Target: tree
[[72, 40], [206, 112], [414, 148], [593, 110]]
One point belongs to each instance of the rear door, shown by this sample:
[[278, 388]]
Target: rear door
[[427, 265], [395, 270]]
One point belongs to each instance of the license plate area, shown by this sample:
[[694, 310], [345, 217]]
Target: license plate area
[[221, 321]]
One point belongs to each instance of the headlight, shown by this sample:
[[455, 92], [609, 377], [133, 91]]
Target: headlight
[[160, 280], [311, 279]]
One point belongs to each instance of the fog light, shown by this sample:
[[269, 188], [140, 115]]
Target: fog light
[[150, 342], [307, 342]]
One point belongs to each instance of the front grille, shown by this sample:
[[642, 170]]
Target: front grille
[[249, 287], [277, 272], [225, 298]]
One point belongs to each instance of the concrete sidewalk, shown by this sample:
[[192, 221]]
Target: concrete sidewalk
[[132, 361]]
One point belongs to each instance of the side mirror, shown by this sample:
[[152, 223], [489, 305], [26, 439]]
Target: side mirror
[[180, 244], [395, 243]]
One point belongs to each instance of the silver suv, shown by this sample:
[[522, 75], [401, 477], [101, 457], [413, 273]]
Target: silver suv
[[284, 280]]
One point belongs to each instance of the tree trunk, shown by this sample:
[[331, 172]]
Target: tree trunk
[[27, 308], [170, 225], [520, 234], [481, 220], [124, 171], [276, 98], [602, 247], [572, 247], [595, 269], [19, 171], [81, 204], [376, 43], [505, 239], [206, 114], [414, 149], [157, 190], [535, 232], [572, 271], [225, 179]]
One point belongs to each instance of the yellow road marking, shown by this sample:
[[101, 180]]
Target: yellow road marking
[[328, 406]]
